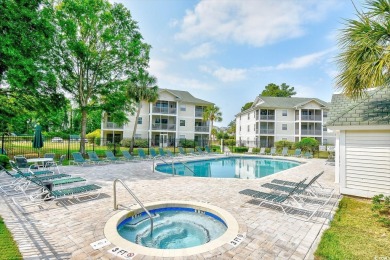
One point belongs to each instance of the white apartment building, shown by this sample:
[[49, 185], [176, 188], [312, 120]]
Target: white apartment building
[[175, 115], [273, 119]]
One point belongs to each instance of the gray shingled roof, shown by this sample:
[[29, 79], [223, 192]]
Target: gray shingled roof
[[283, 102], [186, 96], [373, 109]]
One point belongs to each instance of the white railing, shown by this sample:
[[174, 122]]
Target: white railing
[[159, 126], [202, 129], [164, 110], [111, 125]]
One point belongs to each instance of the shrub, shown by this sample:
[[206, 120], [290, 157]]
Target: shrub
[[256, 150], [4, 160], [381, 204], [126, 142], [230, 142], [281, 144], [187, 143], [93, 135], [307, 144], [142, 143], [240, 149]]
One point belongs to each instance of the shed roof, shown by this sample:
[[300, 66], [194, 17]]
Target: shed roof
[[372, 109]]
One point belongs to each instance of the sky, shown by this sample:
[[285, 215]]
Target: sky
[[227, 51]]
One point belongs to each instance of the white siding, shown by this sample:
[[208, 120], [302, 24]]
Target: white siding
[[367, 163]]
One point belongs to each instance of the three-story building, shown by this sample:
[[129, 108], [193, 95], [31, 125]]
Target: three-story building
[[272, 119], [175, 115]]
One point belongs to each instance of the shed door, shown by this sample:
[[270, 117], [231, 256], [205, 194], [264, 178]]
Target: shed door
[[367, 155]]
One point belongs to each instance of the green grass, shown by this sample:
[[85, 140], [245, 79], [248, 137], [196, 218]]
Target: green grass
[[8, 248], [354, 233]]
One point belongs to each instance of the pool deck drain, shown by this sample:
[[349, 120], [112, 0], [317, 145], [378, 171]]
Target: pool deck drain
[[66, 231]]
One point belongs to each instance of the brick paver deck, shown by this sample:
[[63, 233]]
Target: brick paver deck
[[66, 231]]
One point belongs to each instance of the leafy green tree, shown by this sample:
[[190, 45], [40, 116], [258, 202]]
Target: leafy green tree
[[96, 50], [142, 88], [307, 144], [273, 90], [364, 58], [212, 113], [232, 128], [246, 106]]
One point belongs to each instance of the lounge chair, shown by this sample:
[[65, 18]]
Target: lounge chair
[[298, 153], [170, 154], [262, 151], [56, 164], [162, 153], [111, 157], [48, 155], [250, 150], [226, 151], [284, 151], [199, 151], [284, 201], [78, 159], [128, 157], [184, 153], [308, 155], [44, 195], [208, 150], [142, 155], [153, 153], [93, 157], [21, 162], [31, 170], [272, 151]]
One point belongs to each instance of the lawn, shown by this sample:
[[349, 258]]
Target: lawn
[[354, 233], [8, 247]]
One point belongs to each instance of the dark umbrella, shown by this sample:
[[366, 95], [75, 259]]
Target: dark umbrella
[[38, 139]]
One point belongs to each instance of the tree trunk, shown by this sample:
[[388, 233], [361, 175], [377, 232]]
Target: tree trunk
[[211, 128], [135, 128], [83, 130]]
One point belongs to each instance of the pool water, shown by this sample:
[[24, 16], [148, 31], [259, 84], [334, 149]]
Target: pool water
[[229, 167], [173, 228]]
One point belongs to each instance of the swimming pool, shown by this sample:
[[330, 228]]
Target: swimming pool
[[229, 167]]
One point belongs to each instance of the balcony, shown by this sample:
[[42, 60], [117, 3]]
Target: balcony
[[267, 117], [164, 110], [169, 127], [199, 113], [111, 125], [310, 132], [204, 129], [311, 118], [267, 131]]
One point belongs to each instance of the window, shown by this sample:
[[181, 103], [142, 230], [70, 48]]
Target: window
[[182, 122], [137, 136], [240, 128], [325, 141], [249, 129], [182, 137], [284, 126], [284, 113], [254, 127], [249, 114], [324, 128], [325, 113], [139, 121], [183, 108]]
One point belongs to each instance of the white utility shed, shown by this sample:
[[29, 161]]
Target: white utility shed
[[362, 148]]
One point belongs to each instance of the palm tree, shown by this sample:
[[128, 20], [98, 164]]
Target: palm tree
[[212, 113], [143, 88], [365, 58]]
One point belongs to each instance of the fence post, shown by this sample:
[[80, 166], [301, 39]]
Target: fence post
[[174, 145], [149, 145], [2, 144], [69, 148], [93, 144], [114, 149]]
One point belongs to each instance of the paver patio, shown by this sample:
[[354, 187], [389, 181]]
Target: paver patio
[[66, 231]]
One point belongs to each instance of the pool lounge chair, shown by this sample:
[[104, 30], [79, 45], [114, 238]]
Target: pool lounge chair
[[44, 195], [287, 202], [93, 157], [272, 151], [78, 159], [142, 155], [153, 153], [199, 151], [30, 171], [112, 158], [284, 151], [184, 153], [298, 153], [262, 151], [55, 164], [162, 153], [208, 150], [128, 157]]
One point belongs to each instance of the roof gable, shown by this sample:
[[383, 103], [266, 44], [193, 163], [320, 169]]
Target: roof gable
[[185, 96], [373, 109]]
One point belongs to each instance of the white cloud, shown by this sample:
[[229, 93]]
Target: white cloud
[[251, 22], [305, 91], [302, 61], [201, 51], [226, 75]]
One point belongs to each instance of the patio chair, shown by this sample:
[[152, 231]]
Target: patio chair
[[298, 153], [48, 155], [32, 170], [272, 151], [184, 153], [56, 164], [284, 151], [111, 157], [171, 155], [13, 186], [78, 159], [262, 151], [93, 157], [153, 153], [142, 155], [285, 201], [199, 151], [128, 157], [250, 150], [308, 155], [208, 150], [162, 153], [21, 161]]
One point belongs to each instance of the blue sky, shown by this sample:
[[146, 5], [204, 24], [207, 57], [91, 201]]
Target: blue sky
[[227, 51]]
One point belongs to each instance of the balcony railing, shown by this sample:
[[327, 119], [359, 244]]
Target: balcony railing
[[267, 117], [171, 127], [204, 129], [310, 118], [164, 110], [111, 125], [198, 113], [267, 131], [310, 132]]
